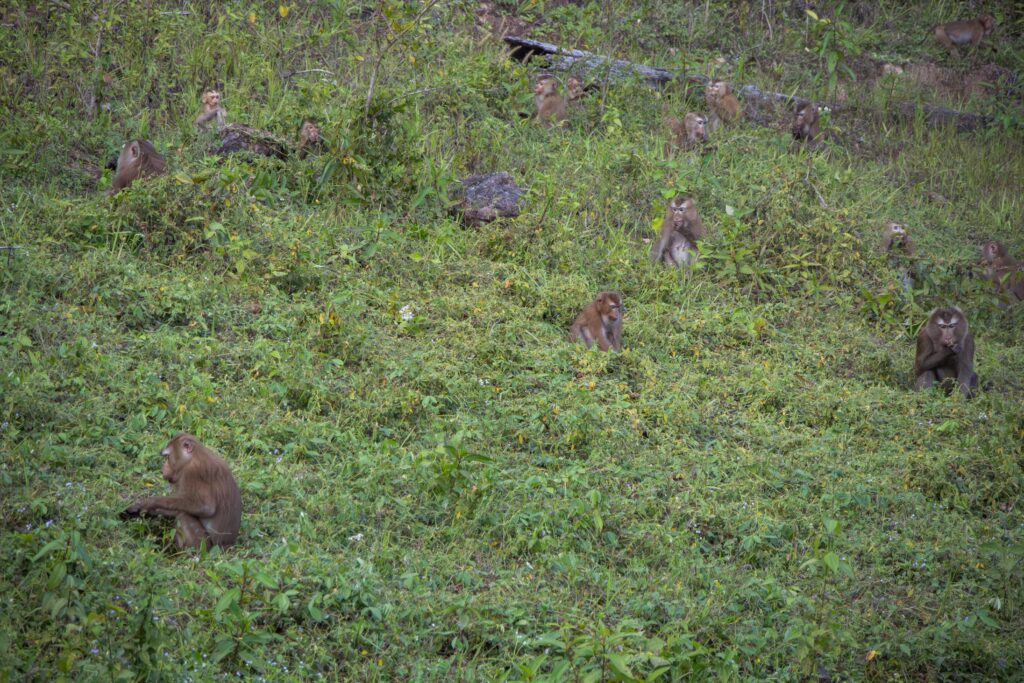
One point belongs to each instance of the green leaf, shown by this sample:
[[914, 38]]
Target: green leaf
[[831, 560], [225, 645], [229, 598], [620, 667]]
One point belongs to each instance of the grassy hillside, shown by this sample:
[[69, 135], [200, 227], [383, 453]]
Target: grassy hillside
[[436, 484]]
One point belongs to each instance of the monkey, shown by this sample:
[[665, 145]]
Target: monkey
[[691, 131], [550, 105], [211, 110], [600, 321], [895, 236], [680, 231], [896, 243], [945, 349], [205, 498], [805, 123], [723, 104], [961, 33], [138, 158], [1002, 269], [309, 138], [574, 90]]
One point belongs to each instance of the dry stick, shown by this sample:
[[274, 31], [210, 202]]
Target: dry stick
[[391, 43], [564, 58], [309, 71]]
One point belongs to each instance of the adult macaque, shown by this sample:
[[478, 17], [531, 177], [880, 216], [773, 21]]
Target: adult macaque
[[550, 105], [724, 106], [962, 33], [309, 138], [680, 232], [805, 123], [204, 499], [945, 350], [601, 322], [211, 110], [691, 131], [1002, 269], [138, 158]]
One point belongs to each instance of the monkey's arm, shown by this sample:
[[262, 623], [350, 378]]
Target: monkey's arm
[[929, 357], [965, 374], [602, 338], [204, 117], [170, 506], [658, 248]]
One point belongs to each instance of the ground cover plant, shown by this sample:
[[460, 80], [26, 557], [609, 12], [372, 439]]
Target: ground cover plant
[[436, 484]]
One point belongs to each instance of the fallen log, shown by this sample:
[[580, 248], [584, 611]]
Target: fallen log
[[581, 61]]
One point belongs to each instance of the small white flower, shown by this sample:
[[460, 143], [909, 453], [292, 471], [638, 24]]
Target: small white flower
[[406, 312], [356, 538]]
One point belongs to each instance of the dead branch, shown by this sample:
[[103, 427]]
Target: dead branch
[[565, 59]]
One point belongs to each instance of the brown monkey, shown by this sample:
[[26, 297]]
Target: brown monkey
[[805, 123], [896, 243], [138, 158], [895, 237], [550, 105], [961, 33], [601, 322], [1003, 270], [211, 110], [574, 89], [723, 104], [205, 497], [945, 349], [691, 131], [680, 232], [309, 138]]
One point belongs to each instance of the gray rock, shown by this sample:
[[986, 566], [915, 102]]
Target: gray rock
[[483, 198]]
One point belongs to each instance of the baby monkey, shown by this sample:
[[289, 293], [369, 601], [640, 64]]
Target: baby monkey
[[600, 322], [550, 105], [211, 110]]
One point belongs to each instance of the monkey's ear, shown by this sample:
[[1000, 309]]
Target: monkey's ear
[[135, 150], [188, 445]]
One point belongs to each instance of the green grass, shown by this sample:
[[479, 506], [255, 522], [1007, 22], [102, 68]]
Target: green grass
[[750, 491]]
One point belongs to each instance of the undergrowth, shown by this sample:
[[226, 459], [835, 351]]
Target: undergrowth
[[436, 484]]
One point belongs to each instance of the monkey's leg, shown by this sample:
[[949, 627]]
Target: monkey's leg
[[191, 532], [925, 380]]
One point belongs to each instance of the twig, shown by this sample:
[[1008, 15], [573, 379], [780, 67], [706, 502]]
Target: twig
[[807, 179], [390, 44], [10, 251], [310, 71], [183, 14], [418, 92]]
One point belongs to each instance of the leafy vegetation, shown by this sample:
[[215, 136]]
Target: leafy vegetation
[[436, 484]]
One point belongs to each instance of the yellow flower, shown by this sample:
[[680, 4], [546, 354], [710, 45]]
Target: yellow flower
[[282, 10]]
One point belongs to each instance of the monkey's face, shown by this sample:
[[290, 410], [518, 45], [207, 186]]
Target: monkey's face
[[545, 86], [310, 131], [700, 126], [678, 211], [948, 328], [991, 251], [988, 23], [211, 98], [899, 234], [610, 307], [176, 454], [717, 89]]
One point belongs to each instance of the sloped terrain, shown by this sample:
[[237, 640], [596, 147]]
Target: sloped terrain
[[436, 484]]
